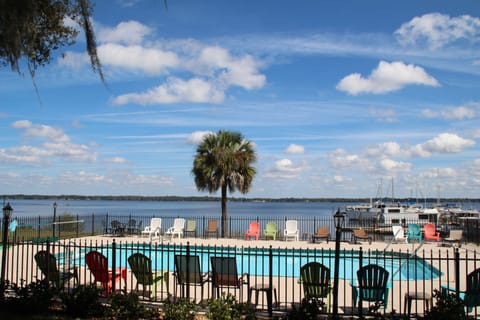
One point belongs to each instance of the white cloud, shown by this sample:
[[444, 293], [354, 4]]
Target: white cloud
[[456, 113], [392, 166], [340, 158], [116, 160], [198, 136], [436, 30], [152, 61], [448, 143], [174, 91], [387, 77], [295, 149], [383, 149], [128, 32], [285, 169]]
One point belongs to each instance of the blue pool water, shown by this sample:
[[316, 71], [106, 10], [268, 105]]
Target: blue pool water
[[285, 262]]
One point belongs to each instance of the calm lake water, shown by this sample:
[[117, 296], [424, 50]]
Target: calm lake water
[[181, 208]]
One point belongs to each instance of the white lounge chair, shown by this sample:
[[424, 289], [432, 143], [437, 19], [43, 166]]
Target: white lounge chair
[[399, 234], [455, 236], [291, 230], [177, 229], [154, 228]]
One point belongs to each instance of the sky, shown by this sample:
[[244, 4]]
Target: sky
[[339, 98]]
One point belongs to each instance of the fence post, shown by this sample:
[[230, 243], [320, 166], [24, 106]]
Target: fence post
[[188, 270], [114, 262], [93, 224], [457, 272], [38, 227], [270, 282], [360, 300], [78, 226]]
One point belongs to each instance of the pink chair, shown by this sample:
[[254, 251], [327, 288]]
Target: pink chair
[[253, 231], [430, 232]]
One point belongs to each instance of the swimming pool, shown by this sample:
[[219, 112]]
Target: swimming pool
[[285, 262]]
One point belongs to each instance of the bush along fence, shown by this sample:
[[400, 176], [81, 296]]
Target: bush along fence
[[274, 279]]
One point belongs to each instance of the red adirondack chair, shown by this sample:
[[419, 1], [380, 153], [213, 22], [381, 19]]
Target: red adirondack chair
[[253, 231], [98, 265], [430, 232]]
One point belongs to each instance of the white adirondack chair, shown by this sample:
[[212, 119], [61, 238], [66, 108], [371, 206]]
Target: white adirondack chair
[[399, 234], [177, 229], [291, 230]]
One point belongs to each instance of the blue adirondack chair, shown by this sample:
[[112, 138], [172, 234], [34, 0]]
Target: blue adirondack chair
[[414, 233], [372, 285]]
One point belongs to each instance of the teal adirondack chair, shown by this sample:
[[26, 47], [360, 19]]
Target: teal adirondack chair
[[372, 285], [471, 296], [414, 233]]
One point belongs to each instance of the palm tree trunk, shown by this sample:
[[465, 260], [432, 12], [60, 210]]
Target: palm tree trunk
[[224, 211]]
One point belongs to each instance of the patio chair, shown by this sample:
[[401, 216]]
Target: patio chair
[[253, 230], [322, 233], [291, 230], [225, 275], [270, 230], [455, 236], [154, 228], [315, 278], [47, 263], [399, 234], [414, 233], [361, 234], [430, 232], [117, 228], [177, 228], [470, 296], [132, 227], [141, 266], [191, 228], [212, 228], [98, 265], [188, 272], [372, 286]]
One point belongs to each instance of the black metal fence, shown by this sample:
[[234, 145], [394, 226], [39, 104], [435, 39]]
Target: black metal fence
[[74, 226], [273, 271]]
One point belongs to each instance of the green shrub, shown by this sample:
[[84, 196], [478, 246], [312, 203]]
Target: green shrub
[[447, 307], [128, 306], [35, 297], [308, 309], [183, 309], [83, 301], [226, 307]]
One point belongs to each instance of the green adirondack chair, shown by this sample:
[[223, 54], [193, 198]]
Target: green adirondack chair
[[315, 278], [141, 266], [270, 230], [47, 263]]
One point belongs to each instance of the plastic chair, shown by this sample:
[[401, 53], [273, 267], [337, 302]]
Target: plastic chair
[[154, 228], [291, 230], [141, 266], [414, 233], [253, 230], [315, 278], [98, 265], [270, 230], [177, 228], [455, 236], [372, 285], [470, 296], [399, 234], [430, 232]]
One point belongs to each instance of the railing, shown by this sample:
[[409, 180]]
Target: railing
[[272, 266], [74, 226]]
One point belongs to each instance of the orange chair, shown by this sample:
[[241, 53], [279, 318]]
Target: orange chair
[[430, 232], [98, 265], [253, 231]]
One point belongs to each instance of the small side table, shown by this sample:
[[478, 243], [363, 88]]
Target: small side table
[[410, 296], [262, 287]]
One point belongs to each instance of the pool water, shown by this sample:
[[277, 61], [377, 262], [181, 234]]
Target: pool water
[[285, 262]]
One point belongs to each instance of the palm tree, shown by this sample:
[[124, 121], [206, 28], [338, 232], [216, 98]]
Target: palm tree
[[224, 160]]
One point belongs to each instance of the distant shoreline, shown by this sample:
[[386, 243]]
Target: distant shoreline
[[210, 198]]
